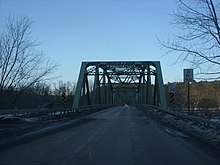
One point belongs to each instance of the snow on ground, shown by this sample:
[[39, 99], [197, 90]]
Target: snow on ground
[[6, 116], [205, 133], [15, 118], [216, 120], [24, 118]]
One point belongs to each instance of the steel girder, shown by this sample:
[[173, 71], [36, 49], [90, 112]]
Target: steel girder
[[125, 82]]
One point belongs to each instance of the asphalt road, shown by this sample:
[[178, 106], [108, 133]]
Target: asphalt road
[[115, 136]]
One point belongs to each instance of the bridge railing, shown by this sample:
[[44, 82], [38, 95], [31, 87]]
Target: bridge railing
[[59, 112], [202, 121]]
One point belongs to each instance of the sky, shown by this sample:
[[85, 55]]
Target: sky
[[73, 31]]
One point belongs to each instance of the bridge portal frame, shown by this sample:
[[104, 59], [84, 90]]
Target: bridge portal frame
[[108, 75]]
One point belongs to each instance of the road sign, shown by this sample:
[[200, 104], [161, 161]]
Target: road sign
[[171, 102], [188, 75], [63, 98], [172, 87]]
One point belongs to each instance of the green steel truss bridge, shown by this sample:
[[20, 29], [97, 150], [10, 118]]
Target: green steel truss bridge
[[120, 82]]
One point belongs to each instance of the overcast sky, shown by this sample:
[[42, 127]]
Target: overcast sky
[[72, 31]]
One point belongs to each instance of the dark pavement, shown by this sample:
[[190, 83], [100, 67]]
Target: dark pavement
[[115, 136]]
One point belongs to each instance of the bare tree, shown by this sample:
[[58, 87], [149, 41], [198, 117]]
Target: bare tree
[[198, 40], [68, 87], [21, 65]]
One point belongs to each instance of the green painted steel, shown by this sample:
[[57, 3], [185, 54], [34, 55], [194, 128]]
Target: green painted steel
[[120, 82]]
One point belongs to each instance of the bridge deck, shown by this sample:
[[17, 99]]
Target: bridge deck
[[120, 135]]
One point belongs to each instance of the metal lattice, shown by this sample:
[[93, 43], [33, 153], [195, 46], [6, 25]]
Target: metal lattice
[[125, 82]]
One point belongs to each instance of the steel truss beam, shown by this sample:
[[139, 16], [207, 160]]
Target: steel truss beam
[[126, 82]]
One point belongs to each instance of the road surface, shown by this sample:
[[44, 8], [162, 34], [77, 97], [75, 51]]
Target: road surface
[[121, 135]]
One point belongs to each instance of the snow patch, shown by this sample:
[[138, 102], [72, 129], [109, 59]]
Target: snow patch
[[215, 120], [14, 118], [176, 133], [206, 133]]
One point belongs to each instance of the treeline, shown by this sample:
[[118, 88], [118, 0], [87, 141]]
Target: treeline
[[39, 95], [203, 94]]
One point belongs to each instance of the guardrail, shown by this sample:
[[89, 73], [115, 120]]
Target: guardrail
[[28, 113], [184, 116], [201, 112]]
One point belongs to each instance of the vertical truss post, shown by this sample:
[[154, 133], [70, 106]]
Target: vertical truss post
[[140, 89], [83, 96], [136, 97], [104, 94], [107, 93], [87, 90], [77, 96], [144, 94], [160, 86], [106, 88], [110, 91], [94, 91], [155, 91], [97, 87], [111, 99], [139, 95], [149, 90], [111, 95]]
